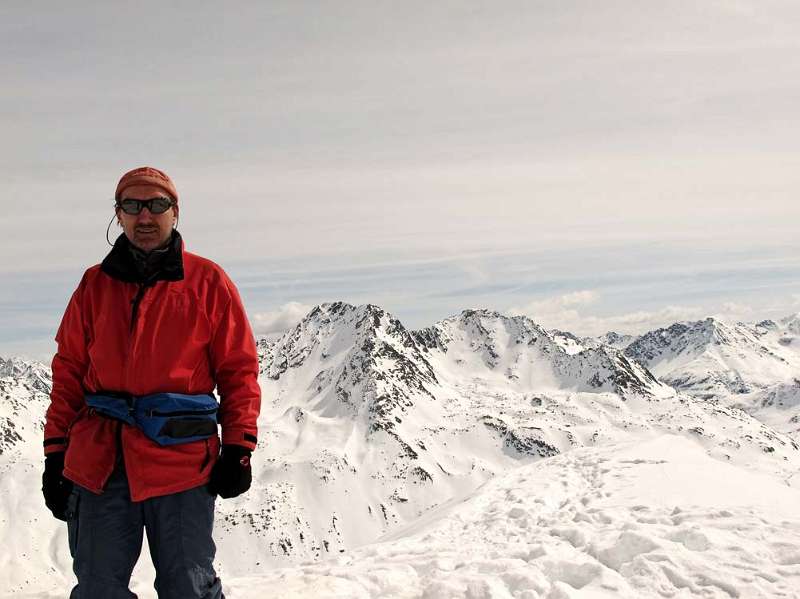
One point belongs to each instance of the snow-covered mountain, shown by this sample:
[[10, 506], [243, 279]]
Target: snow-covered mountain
[[718, 358], [616, 340], [366, 427], [738, 364], [24, 396], [527, 356]]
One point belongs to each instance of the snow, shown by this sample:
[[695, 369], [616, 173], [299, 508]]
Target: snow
[[657, 517]]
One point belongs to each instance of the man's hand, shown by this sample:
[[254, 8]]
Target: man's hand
[[231, 475], [55, 488]]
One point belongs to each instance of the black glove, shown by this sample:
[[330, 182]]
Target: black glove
[[231, 475], [55, 488]]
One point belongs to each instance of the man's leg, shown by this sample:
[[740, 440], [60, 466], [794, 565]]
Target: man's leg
[[105, 539], [179, 528]]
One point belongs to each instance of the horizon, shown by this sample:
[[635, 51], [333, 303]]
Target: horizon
[[275, 325]]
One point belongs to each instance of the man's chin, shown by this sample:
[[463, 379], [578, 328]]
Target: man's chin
[[147, 243]]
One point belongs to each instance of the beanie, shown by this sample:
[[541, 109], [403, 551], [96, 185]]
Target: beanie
[[147, 175]]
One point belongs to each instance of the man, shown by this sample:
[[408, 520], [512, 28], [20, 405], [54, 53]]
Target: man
[[130, 437]]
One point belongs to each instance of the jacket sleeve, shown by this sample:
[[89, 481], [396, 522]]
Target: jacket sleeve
[[234, 361], [69, 367]]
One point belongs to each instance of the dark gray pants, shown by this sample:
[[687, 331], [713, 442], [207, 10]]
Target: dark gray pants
[[105, 540]]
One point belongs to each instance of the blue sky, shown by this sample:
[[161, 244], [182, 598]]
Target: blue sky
[[617, 165]]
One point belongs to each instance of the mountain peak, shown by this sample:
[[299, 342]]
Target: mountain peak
[[488, 344], [680, 337], [792, 323], [615, 340], [36, 374], [331, 328], [478, 313], [483, 328], [363, 314], [484, 318]]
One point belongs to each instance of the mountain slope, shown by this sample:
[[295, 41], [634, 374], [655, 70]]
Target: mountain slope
[[24, 396]]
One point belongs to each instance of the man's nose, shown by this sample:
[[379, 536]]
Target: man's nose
[[145, 215]]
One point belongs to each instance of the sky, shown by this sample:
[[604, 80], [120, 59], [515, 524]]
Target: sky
[[596, 166]]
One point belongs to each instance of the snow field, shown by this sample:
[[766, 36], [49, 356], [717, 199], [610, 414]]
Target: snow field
[[656, 518]]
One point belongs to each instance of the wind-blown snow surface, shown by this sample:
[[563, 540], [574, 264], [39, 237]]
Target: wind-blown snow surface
[[370, 431]]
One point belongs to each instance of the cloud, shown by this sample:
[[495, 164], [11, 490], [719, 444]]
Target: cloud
[[643, 321], [568, 313], [558, 304], [734, 311], [278, 321], [579, 298], [565, 312], [559, 309]]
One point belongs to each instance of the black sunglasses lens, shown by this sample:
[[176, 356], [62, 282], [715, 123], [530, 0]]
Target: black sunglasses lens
[[131, 206], [155, 206], [160, 205]]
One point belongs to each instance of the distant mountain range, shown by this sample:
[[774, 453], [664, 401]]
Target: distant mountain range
[[367, 425], [752, 366], [755, 367], [712, 359]]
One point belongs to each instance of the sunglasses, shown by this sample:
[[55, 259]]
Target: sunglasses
[[154, 205]]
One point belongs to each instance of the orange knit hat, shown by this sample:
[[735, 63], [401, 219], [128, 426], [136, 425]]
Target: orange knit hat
[[147, 175]]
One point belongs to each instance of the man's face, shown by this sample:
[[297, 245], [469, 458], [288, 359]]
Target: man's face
[[145, 230]]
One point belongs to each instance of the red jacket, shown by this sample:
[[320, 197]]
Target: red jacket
[[184, 331]]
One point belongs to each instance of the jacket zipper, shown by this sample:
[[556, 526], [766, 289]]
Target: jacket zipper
[[135, 304], [131, 342]]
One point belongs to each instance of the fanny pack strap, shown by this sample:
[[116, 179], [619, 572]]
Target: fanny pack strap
[[113, 405]]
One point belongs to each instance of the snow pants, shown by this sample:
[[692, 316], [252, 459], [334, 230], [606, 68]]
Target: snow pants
[[105, 540]]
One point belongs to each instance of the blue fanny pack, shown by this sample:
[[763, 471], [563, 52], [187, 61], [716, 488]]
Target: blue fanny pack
[[166, 418]]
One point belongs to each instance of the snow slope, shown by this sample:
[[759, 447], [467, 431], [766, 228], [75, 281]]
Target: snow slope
[[655, 517]]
